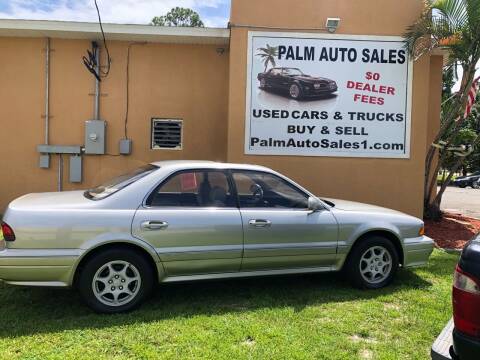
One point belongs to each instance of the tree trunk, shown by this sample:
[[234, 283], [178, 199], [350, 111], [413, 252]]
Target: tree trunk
[[450, 120], [432, 209]]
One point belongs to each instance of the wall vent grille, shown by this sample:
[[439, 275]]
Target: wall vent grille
[[167, 134]]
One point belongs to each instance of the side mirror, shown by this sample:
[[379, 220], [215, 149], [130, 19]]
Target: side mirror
[[314, 204]]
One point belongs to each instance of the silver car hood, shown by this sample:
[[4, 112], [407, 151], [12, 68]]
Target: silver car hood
[[346, 205], [51, 200]]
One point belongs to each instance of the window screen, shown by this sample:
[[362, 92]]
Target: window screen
[[166, 134]]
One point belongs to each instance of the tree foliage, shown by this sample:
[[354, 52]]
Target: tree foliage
[[453, 25], [179, 16]]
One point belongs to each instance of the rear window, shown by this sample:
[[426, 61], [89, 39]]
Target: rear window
[[116, 184]]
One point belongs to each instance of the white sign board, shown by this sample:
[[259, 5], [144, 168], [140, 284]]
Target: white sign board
[[327, 95]]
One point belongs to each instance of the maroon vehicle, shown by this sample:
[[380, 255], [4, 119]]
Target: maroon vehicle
[[460, 339]]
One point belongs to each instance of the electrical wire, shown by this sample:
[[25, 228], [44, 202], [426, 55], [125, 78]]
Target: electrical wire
[[90, 61], [127, 92], [127, 86], [109, 59]]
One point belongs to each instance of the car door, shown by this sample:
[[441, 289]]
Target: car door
[[192, 221], [279, 230]]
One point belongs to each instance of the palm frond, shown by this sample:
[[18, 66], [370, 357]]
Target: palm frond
[[453, 14], [443, 23], [473, 14]]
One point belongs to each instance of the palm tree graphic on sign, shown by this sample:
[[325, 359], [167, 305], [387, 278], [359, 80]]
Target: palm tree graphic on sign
[[268, 55]]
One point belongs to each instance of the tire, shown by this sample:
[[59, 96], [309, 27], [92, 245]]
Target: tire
[[359, 258], [127, 273], [476, 185], [295, 91]]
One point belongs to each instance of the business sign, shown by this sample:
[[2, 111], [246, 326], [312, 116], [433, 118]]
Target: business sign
[[327, 95]]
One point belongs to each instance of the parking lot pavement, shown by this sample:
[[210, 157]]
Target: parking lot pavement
[[464, 201]]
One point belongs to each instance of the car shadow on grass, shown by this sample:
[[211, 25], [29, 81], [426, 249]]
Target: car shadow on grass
[[29, 311]]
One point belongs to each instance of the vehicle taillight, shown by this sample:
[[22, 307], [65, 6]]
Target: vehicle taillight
[[466, 303], [7, 231]]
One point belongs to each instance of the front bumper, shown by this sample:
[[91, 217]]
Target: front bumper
[[417, 251], [38, 267], [311, 91]]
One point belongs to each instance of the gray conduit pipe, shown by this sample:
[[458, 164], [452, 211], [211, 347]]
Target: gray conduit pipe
[[47, 90], [96, 111]]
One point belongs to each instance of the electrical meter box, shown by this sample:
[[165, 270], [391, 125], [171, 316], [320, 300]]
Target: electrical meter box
[[95, 131]]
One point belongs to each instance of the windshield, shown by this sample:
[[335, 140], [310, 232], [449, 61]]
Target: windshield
[[118, 183], [292, 71]]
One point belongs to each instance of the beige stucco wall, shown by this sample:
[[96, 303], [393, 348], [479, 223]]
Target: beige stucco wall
[[189, 82], [207, 90], [395, 183]]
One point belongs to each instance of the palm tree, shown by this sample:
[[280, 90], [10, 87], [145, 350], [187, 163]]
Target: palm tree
[[268, 55], [455, 26]]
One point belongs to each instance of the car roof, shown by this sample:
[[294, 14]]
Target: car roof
[[206, 164]]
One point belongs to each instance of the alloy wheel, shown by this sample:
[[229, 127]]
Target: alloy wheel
[[294, 91], [375, 264], [116, 283]]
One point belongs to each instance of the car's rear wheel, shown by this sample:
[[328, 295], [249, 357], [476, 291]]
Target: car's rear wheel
[[476, 185], [295, 91], [372, 263], [115, 280]]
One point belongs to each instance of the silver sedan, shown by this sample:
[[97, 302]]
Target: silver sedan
[[187, 220]]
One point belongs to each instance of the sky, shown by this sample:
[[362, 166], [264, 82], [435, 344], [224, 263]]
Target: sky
[[214, 13]]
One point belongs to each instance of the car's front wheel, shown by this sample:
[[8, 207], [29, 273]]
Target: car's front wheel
[[372, 263], [115, 280], [295, 91]]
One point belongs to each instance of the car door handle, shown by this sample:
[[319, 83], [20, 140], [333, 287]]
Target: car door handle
[[260, 223], [154, 225]]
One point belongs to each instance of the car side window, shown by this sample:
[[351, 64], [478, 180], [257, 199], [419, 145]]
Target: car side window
[[198, 188], [264, 190]]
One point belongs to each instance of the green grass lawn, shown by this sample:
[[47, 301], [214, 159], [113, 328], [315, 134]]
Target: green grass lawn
[[300, 317]]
